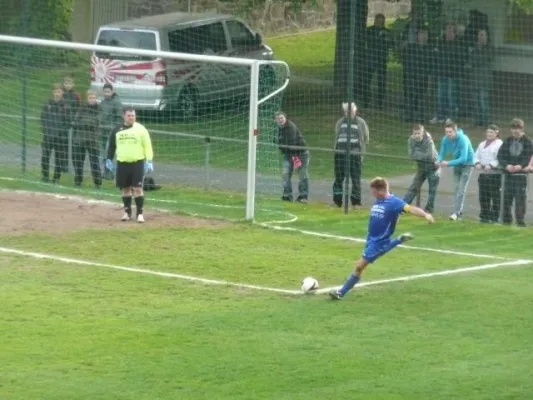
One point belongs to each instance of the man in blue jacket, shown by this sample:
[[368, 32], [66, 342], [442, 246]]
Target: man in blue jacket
[[459, 146]]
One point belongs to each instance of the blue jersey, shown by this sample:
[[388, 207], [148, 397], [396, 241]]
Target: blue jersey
[[384, 215]]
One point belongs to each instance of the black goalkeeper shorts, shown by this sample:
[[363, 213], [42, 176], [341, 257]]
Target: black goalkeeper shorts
[[130, 174]]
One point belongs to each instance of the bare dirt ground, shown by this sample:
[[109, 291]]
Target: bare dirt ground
[[23, 212]]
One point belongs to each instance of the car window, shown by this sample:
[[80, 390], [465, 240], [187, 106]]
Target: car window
[[198, 39], [130, 39], [239, 34]]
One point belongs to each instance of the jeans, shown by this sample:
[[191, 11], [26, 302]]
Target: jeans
[[481, 102], [461, 177], [303, 176], [60, 148], [447, 98], [433, 178]]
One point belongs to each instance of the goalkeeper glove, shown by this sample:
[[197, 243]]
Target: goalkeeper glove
[[148, 167], [110, 165]]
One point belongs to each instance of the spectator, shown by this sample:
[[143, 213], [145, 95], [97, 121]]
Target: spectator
[[421, 148], [85, 140], [476, 22], [295, 157], [378, 42], [110, 118], [480, 62], [73, 100], [489, 181], [458, 144], [417, 67], [514, 157], [351, 134], [450, 63], [55, 121]]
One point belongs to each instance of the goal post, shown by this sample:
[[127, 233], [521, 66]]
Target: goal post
[[224, 150]]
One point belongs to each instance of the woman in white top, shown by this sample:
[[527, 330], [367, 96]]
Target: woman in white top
[[486, 160]]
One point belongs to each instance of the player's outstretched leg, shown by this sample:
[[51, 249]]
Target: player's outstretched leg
[[352, 280], [370, 255]]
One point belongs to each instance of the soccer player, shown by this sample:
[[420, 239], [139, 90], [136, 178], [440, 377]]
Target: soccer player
[[384, 215], [132, 146]]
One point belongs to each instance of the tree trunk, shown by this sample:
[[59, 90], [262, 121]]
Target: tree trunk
[[342, 46]]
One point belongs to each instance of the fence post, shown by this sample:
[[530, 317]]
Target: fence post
[[502, 195], [207, 184]]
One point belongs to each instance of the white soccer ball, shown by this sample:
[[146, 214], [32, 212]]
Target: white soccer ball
[[309, 284]]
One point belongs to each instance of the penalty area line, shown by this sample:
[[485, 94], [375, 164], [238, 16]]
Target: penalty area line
[[189, 278], [432, 274]]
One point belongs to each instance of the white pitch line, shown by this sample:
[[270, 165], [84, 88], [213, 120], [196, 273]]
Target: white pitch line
[[293, 218], [432, 274], [145, 271], [359, 240]]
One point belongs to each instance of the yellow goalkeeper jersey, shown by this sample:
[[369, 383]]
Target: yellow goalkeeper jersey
[[130, 144]]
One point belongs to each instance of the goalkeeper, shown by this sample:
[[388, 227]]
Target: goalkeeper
[[132, 146], [357, 130]]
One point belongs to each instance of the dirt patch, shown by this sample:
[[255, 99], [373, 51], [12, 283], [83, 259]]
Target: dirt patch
[[23, 212]]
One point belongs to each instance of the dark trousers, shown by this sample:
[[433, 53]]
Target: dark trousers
[[354, 172], [515, 189], [489, 197], [60, 149], [424, 172], [415, 91], [79, 151], [379, 69]]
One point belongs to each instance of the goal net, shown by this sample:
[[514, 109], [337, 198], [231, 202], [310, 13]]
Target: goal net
[[211, 118]]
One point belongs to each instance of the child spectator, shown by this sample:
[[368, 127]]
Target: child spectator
[[514, 157], [85, 139], [55, 122], [480, 64], [73, 100], [293, 159], [421, 148], [110, 118], [489, 181]]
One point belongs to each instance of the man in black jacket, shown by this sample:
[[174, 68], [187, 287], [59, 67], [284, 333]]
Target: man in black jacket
[[418, 59], [450, 63], [55, 122], [295, 157], [514, 156], [378, 43]]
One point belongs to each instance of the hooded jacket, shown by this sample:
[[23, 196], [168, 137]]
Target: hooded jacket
[[423, 151], [460, 148]]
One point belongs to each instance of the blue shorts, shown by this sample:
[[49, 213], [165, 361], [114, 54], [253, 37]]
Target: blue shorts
[[373, 251]]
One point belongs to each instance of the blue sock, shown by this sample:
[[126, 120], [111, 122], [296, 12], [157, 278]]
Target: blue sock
[[349, 284]]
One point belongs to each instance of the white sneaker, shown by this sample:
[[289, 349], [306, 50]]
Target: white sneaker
[[125, 217], [454, 217], [140, 218]]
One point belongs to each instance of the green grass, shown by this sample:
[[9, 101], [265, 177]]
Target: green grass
[[90, 332]]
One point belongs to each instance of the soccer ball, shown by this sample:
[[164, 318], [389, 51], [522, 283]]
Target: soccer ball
[[309, 284]]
